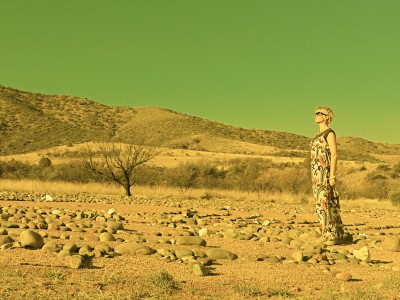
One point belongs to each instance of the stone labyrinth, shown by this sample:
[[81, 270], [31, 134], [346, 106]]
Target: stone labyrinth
[[181, 235]]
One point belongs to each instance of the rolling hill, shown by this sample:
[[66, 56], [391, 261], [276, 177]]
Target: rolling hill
[[33, 121]]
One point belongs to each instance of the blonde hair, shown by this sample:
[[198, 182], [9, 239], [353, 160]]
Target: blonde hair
[[327, 111]]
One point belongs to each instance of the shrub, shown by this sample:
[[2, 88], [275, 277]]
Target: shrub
[[163, 281], [383, 168], [394, 197], [45, 162], [375, 176]]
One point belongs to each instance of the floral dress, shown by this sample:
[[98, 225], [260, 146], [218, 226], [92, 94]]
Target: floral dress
[[326, 196]]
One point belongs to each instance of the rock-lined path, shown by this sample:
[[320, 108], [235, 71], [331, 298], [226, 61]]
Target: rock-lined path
[[224, 241]]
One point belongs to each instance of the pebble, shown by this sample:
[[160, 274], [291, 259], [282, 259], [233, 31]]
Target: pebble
[[344, 276]]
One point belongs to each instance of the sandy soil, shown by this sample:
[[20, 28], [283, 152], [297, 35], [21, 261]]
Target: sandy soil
[[39, 274]]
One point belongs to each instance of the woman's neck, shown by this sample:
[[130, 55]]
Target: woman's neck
[[323, 127]]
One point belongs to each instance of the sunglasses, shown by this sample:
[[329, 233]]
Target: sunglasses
[[319, 113]]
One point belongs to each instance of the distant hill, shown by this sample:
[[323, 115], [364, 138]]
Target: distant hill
[[33, 121]]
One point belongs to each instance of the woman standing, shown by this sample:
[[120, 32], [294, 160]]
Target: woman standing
[[323, 172]]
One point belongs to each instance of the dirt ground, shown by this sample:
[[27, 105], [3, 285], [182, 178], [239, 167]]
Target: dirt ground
[[40, 274]]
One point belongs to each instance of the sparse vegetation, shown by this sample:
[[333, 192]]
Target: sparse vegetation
[[274, 292], [248, 290], [164, 282], [394, 196]]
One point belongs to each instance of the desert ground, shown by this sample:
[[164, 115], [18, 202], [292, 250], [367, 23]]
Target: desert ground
[[91, 246]]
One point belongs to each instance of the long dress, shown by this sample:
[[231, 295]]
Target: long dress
[[326, 196]]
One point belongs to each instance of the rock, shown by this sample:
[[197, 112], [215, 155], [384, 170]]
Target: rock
[[308, 247], [133, 248], [295, 232], [361, 243], [137, 238], [71, 247], [362, 254], [106, 237], [204, 232], [308, 255], [296, 243], [230, 234], [312, 261], [199, 253], [31, 239], [337, 256], [220, 254], [245, 237], [190, 240], [266, 223], [32, 225], [274, 239], [7, 246], [52, 226], [165, 252], [297, 256], [75, 261], [52, 246], [103, 248], [264, 239], [64, 253], [286, 240], [115, 225], [5, 239], [391, 243], [85, 250], [183, 252], [198, 269], [272, 259], [205, 261], [344, 276]]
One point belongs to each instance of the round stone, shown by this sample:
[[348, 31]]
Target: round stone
[[344, 276], [31, 239], [106, 237]]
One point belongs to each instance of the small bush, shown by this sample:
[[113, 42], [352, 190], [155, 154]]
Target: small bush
[[247, 290], [45, 162], [164, 281], [280, 293], [394, 197]]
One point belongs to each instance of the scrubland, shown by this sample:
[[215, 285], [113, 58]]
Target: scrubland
[[242, 193]]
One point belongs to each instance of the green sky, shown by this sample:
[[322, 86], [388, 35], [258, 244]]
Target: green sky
[[250, 63]]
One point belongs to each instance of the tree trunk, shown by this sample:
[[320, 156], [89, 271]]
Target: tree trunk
[[128, 190]]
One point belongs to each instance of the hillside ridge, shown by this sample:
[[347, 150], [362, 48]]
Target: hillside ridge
[[33, 121]]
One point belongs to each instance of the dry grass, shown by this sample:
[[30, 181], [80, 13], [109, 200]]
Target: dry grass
[[152, 192], [57, 187]]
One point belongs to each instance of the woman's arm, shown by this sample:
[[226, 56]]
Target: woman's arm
[[332, 146]]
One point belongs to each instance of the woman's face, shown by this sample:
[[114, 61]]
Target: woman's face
[[320, 116]]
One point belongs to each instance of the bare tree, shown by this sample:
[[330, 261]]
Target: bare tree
[[117, 162]]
